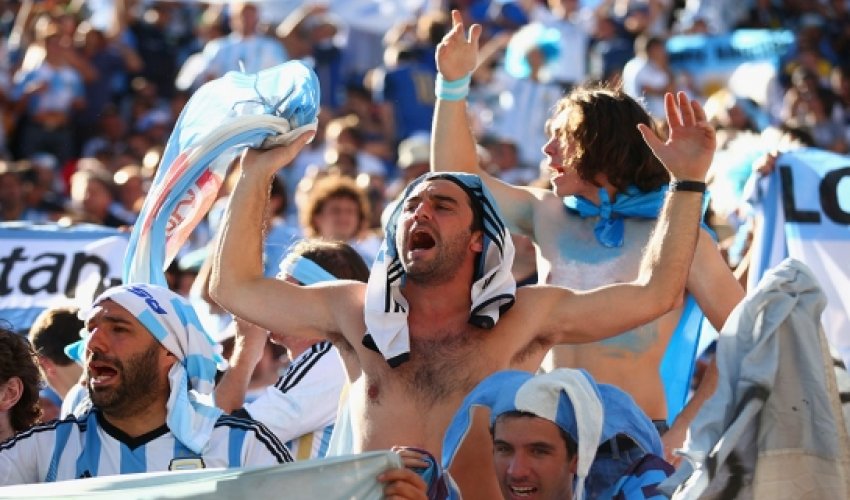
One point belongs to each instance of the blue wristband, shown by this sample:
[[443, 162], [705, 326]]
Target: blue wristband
[[455, 90]]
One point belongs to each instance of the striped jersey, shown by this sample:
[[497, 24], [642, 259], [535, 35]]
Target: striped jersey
[[89, 446], [300, 408]]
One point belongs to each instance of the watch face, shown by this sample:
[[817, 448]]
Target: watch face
[[186, 464]]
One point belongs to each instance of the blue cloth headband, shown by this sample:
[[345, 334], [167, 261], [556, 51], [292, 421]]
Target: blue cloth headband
[[304, 270]]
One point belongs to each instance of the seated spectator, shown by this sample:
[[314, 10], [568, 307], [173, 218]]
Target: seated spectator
[[149, 372], [561, 435], [19, 382]]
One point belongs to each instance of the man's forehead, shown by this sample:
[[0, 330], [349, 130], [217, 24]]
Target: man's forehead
[[444, 187], [110, 308]]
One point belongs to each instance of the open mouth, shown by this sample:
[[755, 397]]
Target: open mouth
[[523, 491], [101, 373], [421, 240]]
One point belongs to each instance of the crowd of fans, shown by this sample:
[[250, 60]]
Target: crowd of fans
[[90, 91]]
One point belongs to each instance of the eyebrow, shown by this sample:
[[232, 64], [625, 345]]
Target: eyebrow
[[111, 319]]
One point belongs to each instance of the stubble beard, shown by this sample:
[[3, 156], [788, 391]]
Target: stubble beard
[[139, 380], [443, 266]]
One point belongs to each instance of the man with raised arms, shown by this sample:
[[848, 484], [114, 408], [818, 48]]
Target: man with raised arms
[[592, 226], [410, 385]]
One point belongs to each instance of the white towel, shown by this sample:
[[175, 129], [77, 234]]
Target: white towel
[[172, 321], [493, 290]]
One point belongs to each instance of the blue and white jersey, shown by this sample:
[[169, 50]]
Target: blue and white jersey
[[64, 86], [89, 446], [300, 408]]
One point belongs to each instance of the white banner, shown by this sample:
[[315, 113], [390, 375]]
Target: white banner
[[46, 265], [805, 214], [338, 478]]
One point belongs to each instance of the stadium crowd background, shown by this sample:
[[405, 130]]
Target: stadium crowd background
[[90, 91]]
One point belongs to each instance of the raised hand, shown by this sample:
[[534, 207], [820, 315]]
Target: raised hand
[[688, 152], [457, 54], [267, 162]]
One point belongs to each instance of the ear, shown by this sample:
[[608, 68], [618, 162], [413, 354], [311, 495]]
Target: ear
[[476, 244], [10, 393], [46, 365], [573, 465]]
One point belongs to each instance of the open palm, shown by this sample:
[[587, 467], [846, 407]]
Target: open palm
[[688, 152]]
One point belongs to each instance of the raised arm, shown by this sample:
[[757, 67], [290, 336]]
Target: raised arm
[[597, 314], [453, 144], [237, 282], [250, 342]]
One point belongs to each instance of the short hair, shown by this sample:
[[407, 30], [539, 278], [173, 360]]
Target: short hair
[[54, 329], [603, 126], [329, 187], [335, 257], [17, 359], [572, 446]]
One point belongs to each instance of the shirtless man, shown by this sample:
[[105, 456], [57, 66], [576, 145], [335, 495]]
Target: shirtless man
[[413, 403], [592, 137]]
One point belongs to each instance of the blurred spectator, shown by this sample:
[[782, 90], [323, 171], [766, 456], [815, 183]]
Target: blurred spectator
[[648, 74], [110, 61], [574, 25], [53, 330], [47, 97], [336, 209], [12, 205], [610, 50], [131, 188], [404, 89], [92, 196], [530, 94], [245, 49]]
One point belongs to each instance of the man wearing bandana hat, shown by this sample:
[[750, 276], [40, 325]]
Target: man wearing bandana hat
[[150, 370], [440, 313]]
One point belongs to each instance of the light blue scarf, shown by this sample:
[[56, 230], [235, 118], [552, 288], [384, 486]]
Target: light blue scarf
[[630, 203]]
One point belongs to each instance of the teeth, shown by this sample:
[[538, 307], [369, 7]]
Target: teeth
[[522, 491]]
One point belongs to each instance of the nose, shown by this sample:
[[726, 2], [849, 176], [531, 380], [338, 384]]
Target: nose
[[96, 340], [547, 148], [518, 467], [422, 211]]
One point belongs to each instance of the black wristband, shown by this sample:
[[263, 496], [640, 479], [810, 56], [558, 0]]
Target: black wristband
[[692, 186]]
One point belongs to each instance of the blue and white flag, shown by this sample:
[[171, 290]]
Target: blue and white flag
[[222, 118], [45, 265], [804, 209]]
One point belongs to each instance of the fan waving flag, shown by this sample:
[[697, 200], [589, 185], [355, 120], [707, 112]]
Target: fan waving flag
[[223, 117]]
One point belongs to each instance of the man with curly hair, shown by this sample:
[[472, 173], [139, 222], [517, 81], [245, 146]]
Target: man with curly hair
[[19, 385]]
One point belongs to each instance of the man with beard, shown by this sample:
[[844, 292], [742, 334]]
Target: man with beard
[[150, 370], [440, 312]]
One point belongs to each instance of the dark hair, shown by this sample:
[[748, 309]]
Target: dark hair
[[603, 127], [335, 257], [572, 446], [326, 188], [52, 330], [18, 360]]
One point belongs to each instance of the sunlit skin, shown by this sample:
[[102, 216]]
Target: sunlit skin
[[560, 155], [434, 232], [127, 370], [531, 460]]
